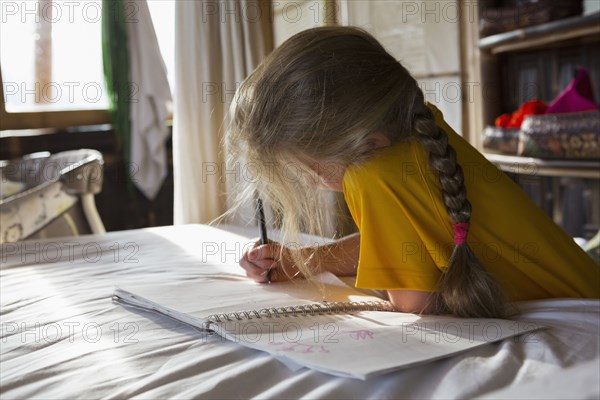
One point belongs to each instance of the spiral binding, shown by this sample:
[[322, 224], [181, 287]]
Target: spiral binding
[[301, 310]]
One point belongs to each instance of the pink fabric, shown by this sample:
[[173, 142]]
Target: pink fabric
[[577, 97], [461, 231]]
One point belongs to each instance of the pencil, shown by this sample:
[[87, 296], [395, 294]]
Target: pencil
[[263, 230]]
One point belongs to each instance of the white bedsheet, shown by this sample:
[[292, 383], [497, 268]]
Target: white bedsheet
[[63, 337]]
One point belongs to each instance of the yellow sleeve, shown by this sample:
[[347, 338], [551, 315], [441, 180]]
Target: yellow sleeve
[[392, 252]]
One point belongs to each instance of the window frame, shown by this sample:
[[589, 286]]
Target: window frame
[[48, 119]]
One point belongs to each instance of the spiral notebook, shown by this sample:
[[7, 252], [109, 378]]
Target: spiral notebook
[[211, 322], [348, 333]]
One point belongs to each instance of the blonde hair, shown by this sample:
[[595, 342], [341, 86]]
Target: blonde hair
[[317, 97]]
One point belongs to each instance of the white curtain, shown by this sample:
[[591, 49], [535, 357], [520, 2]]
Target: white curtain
[[150, 96], [217, 44]]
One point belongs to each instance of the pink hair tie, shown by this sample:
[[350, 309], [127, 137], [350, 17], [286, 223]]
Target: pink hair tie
[[461, 230]]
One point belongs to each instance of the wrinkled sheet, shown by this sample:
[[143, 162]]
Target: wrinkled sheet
[[63, 337]]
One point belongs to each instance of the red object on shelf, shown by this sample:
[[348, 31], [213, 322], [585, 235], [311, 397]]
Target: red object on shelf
[[514, 120], [503, 121]]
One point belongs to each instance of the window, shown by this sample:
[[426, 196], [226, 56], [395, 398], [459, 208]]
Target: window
[[51, 64], [51, 56], [51, 60]]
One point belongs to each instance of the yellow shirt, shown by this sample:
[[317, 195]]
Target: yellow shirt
[[407, 237]]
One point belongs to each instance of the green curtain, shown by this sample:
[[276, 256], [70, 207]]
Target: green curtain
[[115, 56]]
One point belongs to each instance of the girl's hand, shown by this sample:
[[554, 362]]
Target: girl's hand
[[271, 256]]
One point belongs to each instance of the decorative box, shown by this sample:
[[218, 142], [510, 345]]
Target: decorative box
[[572, 135], [501, 140]]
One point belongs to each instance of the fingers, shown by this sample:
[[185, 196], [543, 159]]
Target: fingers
[[257, 270], [278, 274], [265, 251], [259, 260], [263, 258]]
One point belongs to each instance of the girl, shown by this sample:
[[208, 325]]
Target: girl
[[440, 228]]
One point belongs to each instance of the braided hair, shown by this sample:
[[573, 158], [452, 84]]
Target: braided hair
[[466, 288]]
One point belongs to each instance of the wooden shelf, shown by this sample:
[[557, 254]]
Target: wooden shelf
[[536, 166], [544, 34], [568, 190]]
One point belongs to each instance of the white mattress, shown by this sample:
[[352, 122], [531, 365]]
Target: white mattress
[[63, 337]]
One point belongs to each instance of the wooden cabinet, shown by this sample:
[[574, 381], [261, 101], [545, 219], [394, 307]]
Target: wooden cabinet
[[539, 62]]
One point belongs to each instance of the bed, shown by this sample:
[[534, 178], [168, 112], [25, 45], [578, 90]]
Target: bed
[[63, 337]]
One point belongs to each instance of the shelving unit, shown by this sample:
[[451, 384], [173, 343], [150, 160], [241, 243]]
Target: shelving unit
[[541, 167], [534, 62], [542, 35]]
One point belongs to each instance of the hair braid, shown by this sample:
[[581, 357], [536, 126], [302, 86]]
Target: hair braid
[[442, 158], [466, 288]]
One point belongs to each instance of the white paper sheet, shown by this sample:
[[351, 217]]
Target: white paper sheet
[[355, 345]]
